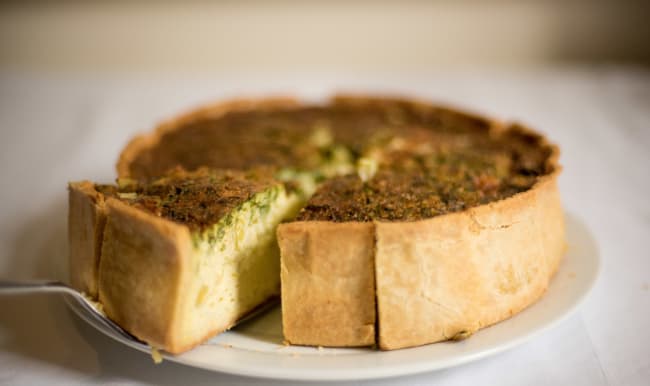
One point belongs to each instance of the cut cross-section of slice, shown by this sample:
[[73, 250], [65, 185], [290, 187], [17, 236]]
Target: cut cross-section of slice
[[182, 257]]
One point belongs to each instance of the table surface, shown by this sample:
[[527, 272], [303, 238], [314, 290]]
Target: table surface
[[60, 127]]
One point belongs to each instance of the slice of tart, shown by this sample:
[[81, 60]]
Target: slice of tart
[[177, 259]]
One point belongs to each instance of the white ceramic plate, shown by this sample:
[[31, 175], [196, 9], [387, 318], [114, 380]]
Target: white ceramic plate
[[255, 348]]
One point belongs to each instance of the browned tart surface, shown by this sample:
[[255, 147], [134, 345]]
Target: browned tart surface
[[432, 174], [196, 199], [285, 137], [432, 160]]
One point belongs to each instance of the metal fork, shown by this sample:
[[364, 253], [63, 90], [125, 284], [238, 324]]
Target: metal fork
[[24, 287]]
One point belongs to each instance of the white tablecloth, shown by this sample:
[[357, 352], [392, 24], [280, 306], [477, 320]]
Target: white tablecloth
[[58, 127]]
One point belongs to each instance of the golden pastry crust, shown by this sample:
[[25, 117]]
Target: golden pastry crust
[[328, 283], [145, 267], [86, 219]]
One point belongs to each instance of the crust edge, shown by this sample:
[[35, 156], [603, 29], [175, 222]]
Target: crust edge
[[328, 283], [86, 220]]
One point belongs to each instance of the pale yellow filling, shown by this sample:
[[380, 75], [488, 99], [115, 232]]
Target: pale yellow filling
[[237, 262]]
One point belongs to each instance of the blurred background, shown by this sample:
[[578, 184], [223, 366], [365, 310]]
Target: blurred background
[[281, 36], [78, 79]]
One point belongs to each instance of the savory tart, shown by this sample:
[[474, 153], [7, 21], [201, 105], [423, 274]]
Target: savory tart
[[423, 223], [177, 259]]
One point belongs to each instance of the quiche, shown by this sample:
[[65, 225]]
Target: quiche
[[179, 258], [401, 223]]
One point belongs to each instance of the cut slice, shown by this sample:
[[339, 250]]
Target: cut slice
[[185, 256]]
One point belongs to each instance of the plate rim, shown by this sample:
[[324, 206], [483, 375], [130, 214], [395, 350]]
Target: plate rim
[[408, 368]]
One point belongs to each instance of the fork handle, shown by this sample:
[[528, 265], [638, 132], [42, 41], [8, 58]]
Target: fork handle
[[21, 287]]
